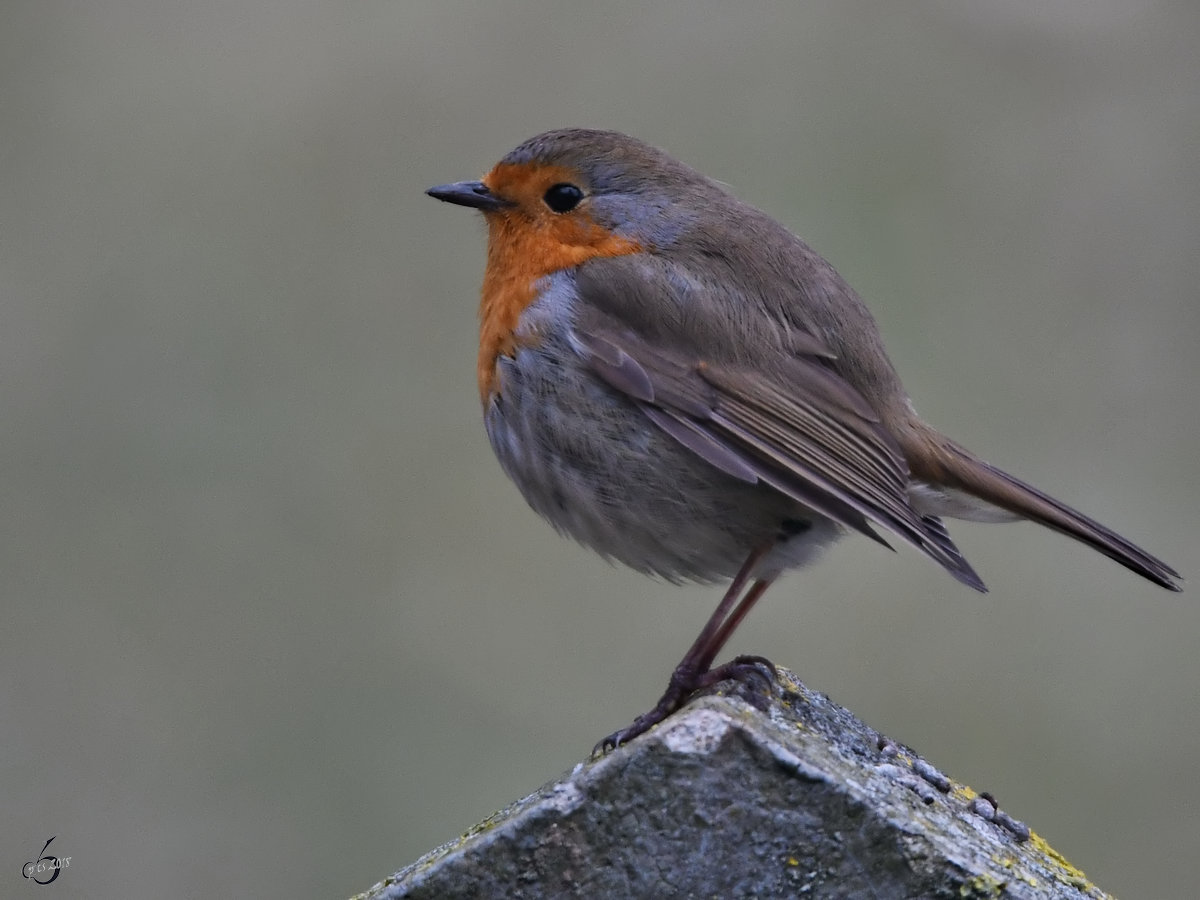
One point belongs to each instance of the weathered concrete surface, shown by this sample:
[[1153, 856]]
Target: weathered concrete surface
[[725, 800]]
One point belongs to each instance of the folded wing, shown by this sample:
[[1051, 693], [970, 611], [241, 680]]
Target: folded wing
[[800, 429]]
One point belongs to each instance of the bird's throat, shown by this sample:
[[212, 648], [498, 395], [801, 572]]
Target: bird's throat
[[518, 257]]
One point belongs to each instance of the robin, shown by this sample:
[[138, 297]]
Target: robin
[[675, 380]]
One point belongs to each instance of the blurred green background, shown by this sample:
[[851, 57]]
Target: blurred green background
[[276, 623]]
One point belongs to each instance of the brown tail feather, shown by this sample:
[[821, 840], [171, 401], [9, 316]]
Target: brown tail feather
[[952, 466]]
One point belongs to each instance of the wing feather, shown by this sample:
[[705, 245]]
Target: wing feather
[[793, 425]]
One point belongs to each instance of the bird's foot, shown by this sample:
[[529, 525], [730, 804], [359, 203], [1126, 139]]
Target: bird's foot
[[748, 671]]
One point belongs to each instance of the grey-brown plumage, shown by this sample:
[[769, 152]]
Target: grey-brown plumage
[[679, 382]]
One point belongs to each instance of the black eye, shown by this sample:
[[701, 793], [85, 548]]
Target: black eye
[[563, 197]]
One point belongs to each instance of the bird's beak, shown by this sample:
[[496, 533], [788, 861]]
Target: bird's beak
[[474, 194]]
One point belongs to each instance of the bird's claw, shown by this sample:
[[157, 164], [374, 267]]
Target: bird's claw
[[747, 671]]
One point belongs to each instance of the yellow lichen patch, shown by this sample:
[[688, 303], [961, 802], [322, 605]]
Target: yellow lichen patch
[[1014, 865], [1069, 874], [983, 885], [964, 793]]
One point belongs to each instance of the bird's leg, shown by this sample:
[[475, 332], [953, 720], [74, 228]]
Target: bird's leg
[[721, 638], [740, 668], [695, 669]]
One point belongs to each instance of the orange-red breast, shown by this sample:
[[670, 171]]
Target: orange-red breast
[[674, 379]]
